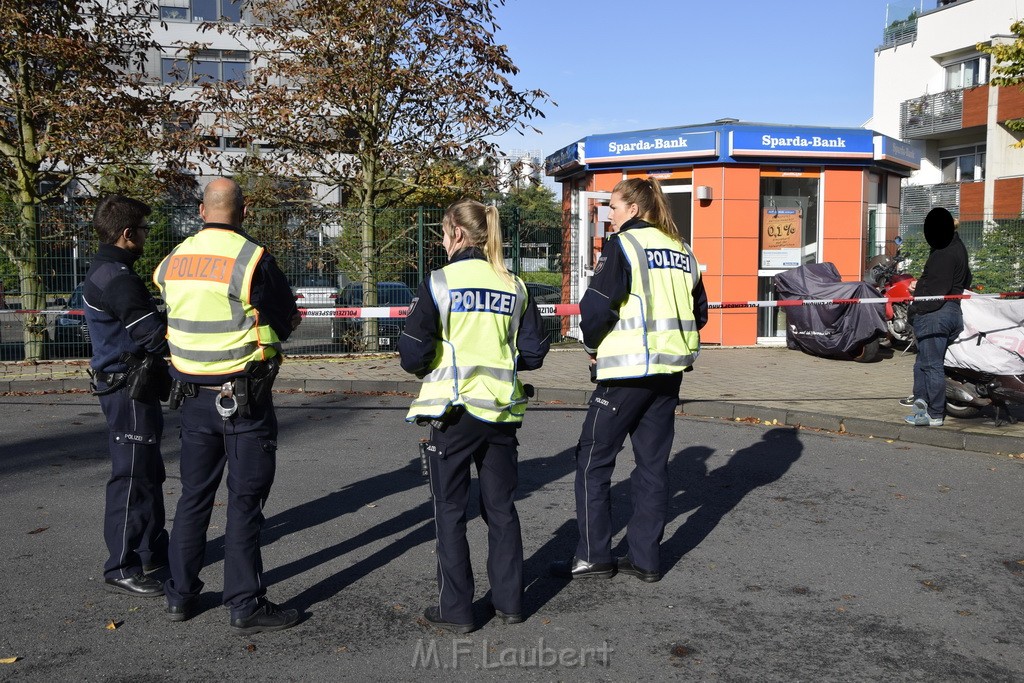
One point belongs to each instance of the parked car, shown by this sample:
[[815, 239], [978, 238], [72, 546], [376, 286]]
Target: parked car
[[548, 294], [348, 332], [315, 291], [70, 335]]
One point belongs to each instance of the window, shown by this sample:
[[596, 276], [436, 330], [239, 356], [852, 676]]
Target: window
[[962, 164], [201, 10], [966, 74], [217, 66], [223, 142]]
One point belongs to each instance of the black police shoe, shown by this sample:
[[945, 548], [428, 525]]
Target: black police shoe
[[625, 566], [580, 569], [184, 611], [433, 615], [267, 617], [139, 585]]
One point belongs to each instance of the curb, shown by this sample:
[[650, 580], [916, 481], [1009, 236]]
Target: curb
[[964, 439]]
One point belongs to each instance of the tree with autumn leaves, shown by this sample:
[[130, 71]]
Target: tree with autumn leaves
[[75, 100], [372, 96]]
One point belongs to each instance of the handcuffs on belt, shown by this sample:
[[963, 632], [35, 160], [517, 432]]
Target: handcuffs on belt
[[227, 391]]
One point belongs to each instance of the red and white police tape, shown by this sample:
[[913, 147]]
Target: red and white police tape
[[549, 310]]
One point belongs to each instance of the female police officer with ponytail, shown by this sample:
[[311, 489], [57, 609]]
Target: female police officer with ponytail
[[469, 330], [640, 320]]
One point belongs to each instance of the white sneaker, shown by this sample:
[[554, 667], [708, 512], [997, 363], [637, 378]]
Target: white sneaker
[[923, 420]]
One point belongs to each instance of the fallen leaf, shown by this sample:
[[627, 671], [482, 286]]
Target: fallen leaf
[[545, 621], [9, 660], [343, 648], [840, 609], [113, 625], [39, 530], [251, 647]]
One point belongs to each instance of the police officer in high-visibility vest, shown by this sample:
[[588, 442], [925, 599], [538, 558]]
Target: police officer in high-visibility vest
[[229, 306], [640, 320], [130, 377], [468, 332]]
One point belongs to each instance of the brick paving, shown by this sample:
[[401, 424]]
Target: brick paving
[[738, 383]]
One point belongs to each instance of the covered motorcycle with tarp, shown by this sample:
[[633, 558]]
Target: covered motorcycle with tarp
[[850, 331]]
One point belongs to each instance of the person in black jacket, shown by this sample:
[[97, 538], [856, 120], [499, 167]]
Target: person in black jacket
[[937, 323], [125, 326], [469, 331]]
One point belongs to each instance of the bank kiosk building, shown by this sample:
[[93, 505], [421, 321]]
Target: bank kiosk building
[[751, 199]]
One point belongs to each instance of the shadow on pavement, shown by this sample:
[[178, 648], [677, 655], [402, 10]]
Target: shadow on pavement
[[712, 495]]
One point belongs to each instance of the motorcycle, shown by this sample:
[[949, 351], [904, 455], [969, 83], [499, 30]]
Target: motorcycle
[[883, 273], [847, 331], [985, 366]]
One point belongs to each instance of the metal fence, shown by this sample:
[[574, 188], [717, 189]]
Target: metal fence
[[994, 244], [326, 253]]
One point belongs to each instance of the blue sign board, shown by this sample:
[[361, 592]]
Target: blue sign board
[[565, 159], [765, 141], [897, 152], [645, 145]]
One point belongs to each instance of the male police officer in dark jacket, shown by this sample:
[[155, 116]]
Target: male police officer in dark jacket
[[125, 326], [937, 323]]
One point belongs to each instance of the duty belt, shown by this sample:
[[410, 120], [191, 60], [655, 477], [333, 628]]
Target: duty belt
[[226, 403]]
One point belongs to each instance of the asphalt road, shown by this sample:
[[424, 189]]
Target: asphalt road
[[789, 556]]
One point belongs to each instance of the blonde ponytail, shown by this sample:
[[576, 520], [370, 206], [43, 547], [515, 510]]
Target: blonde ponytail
[[482, 228]]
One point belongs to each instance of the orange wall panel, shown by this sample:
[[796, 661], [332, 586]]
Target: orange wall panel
[[975, 112], [972, 201], [844, 184], [1009, 197], [846, 254], [1011, 104]]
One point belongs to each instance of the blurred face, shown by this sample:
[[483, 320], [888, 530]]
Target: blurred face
[[136, 241], [621, 211]]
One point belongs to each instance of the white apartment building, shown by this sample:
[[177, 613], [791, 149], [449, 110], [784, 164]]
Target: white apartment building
[[931, 91]]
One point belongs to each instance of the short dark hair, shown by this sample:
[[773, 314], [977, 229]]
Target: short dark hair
[[116, 213]]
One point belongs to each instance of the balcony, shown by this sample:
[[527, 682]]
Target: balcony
[[931, 116], [900, 32]]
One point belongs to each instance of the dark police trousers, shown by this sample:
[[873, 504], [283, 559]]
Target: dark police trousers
[[493, 447], [247, 447], [643, 409], [133, 525]]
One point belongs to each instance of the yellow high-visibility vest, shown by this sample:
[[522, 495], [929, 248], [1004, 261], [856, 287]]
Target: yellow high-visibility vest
[[656, 332], [475, 364], [212, 326]]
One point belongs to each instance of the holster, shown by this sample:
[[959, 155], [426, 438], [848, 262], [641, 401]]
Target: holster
[[147, 379], [253, 389], [179, 392]]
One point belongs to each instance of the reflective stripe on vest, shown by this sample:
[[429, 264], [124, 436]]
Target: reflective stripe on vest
[[470, 369], [212, 326], [656, 332]]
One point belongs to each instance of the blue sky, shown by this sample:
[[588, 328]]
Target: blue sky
[[633, 64]]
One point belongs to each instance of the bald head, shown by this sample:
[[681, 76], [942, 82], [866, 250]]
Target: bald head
[[222, 202]]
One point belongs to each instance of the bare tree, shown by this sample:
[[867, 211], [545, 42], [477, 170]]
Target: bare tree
[[74, 98], [370, 94]]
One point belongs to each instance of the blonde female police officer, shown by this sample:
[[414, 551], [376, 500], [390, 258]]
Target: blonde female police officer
[[469, 330], [640, 320]]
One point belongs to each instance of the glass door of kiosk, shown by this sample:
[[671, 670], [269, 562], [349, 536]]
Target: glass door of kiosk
[[592, 219]]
